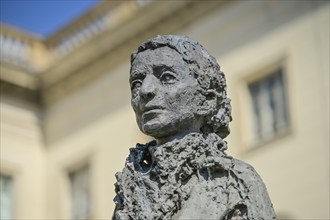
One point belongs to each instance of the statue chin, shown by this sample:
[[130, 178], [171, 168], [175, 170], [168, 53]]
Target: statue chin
[[156, 126], [150, 129], [154, 130], [163, 129]]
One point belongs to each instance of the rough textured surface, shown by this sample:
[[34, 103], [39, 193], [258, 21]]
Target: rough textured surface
[[179, 98]]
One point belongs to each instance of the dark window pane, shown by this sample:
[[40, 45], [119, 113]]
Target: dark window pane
[[270, 114], [6, 197]]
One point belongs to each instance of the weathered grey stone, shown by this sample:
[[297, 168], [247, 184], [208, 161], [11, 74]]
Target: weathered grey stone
[[179, 98]]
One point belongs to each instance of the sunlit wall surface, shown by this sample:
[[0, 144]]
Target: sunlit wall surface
[[67, 124]]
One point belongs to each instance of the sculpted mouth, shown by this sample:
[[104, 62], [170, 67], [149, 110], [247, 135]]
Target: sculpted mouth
[[151, 109], [151, 113]]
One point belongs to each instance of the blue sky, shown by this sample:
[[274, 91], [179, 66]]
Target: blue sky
[[42, 17]]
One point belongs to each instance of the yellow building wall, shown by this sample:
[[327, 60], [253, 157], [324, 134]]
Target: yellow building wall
[[23, 157]]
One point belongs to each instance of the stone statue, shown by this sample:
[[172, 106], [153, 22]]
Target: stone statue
[[179, 98]]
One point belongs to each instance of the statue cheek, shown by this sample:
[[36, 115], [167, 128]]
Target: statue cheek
[[192, 101], [135, 104]]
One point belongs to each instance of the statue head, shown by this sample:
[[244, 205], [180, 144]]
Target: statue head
[[178, 88]]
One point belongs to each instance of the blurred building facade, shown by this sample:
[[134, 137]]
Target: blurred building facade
[[67, 124]]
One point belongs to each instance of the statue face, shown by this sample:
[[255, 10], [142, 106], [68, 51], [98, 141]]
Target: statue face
[[165, 95]]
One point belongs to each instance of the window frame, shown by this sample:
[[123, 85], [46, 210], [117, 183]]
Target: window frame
[[70, 173], [246, 103]]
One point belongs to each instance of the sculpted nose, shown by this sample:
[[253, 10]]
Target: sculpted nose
[[148, 88]]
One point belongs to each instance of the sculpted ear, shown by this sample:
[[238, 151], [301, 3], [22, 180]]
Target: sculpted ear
[[209, 104]]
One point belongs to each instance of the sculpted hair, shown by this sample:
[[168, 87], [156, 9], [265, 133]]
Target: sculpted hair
[[207, 71]]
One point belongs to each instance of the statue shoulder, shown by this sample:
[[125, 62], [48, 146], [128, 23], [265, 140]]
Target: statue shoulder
[[243, 168], [228, 189], [258, 203], [246, 173]]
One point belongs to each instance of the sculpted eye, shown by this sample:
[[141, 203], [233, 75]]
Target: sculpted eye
[[135, 85], [168, 77]]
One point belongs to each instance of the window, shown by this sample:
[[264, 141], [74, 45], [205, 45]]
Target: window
[[269, 106], [80, 193], [6, 197]]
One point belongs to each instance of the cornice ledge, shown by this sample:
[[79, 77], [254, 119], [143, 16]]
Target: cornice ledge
[[19, 77]]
